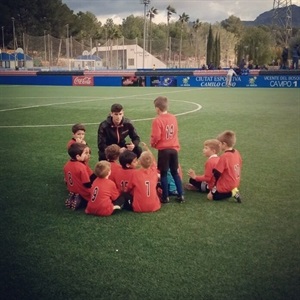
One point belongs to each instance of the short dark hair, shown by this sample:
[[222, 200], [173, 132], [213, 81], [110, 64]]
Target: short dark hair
[[76, 149], [78, 127], [116, 107], [126, 157]]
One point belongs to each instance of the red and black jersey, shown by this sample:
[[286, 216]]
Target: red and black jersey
[[76, 174], [122, 178], [143, 185], [103, 193], [229, 167], [164, 134], [208, 175]]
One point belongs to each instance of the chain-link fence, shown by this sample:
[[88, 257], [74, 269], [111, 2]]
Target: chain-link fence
[[48, 52]]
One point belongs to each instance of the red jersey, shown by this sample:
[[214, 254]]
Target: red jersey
[[103, 192], [76, 174], [70, 142], [208, 176], [230, 166], [164, 134], [122, 178], [143, 185], [114, 168]]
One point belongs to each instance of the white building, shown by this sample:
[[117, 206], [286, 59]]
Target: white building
[[127, 57]]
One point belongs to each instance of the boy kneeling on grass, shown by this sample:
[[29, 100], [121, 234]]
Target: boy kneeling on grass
[[105, 197], [227, 172], [78, 176]]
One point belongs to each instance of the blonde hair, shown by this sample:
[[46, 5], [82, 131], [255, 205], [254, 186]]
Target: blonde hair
[[227, 137], [102, 168], [213, 144], [161, 103], [146, 159]]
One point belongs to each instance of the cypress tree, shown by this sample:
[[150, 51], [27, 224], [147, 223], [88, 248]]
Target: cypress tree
[[209, 47]]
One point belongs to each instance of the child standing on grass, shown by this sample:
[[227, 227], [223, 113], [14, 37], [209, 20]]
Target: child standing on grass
[[227, 172], [112, 153], [143, 184], [204, 183], [78, 176], [78, 131], [164, 138], [105, 197]]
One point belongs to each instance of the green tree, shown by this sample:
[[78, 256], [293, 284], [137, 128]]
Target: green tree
[[234, 25], [170, 11], [183, 19], [151, 14], [209, 46], [196, 26]]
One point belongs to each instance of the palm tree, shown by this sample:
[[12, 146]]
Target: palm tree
[[170, 11], [151, 14], [196, 25], [184, 18]]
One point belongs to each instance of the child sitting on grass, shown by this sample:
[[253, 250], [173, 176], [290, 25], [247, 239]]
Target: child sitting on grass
[[78, 176], [204, 183], [143, 184], [105, 197], [227, 172], [112, 153]]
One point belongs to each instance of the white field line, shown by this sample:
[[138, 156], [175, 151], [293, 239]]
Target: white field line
[[198, 107]]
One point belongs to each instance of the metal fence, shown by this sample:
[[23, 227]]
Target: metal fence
[[50, 53]]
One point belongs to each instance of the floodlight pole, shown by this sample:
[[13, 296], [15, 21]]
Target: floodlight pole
[[68, 49], [145, 2]]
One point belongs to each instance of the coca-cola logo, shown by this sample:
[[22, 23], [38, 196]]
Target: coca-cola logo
[[83, 80]]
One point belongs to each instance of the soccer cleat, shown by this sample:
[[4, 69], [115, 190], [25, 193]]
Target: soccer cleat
[[76, 202], [236, 195], [68, 202], [165, 200], [117, 207], [180, 199]]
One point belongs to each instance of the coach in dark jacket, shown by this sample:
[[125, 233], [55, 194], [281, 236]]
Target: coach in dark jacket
[[115, 129]]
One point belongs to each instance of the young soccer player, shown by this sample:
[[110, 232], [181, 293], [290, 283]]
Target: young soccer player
[[128, 160], [105, 197], [112, 153], [78, 131], [204, 183], [77, 176], [164, 138], [227, 172], [143, 185]]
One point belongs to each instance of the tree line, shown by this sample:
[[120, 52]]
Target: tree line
[[39, 17]]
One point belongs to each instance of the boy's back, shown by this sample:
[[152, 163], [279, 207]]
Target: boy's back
[[143, 184], [122, 178], [104, 191], [164, 134], [229, 165]]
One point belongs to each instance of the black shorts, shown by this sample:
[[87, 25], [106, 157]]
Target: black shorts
[[221, 196]]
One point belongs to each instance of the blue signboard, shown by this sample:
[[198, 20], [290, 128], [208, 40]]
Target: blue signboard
[[274, 81]]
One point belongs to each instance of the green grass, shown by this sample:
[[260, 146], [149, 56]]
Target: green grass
[[197, 250]]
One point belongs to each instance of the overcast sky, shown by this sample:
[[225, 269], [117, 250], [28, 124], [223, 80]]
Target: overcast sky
[[210, 11]]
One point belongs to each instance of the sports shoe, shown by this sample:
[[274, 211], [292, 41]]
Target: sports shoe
[[236, 195], [180, 199], [76, 202], [190, 187], [165, 200], [68, 202]]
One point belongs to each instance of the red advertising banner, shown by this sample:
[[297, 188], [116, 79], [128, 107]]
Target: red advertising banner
[[82, 80]]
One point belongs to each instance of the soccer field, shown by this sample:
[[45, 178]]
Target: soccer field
[[196, 250]]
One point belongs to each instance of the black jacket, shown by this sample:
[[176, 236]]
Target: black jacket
[[109, 134]]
